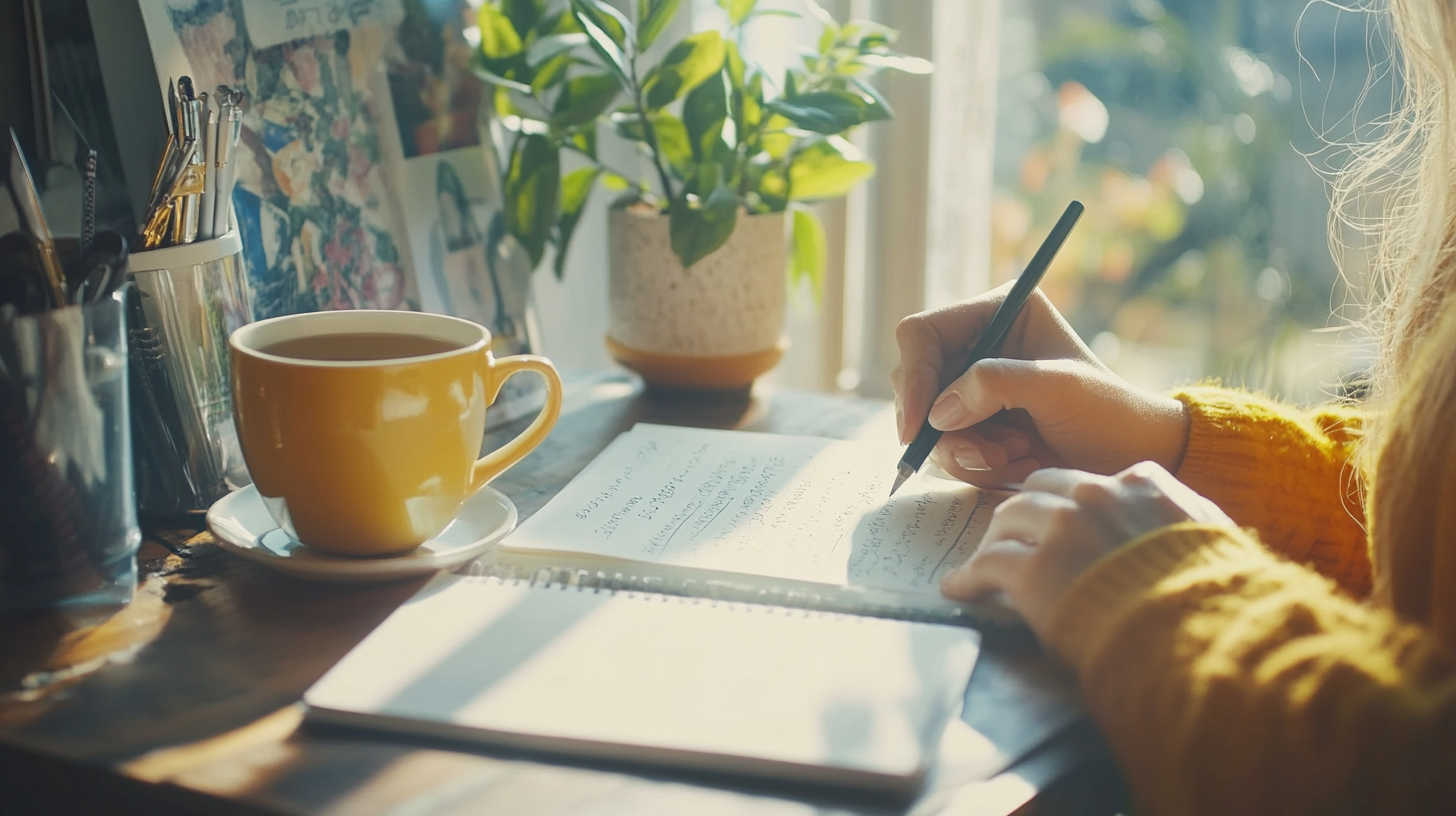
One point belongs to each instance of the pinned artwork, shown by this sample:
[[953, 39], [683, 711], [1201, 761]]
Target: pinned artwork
[[365, 176]]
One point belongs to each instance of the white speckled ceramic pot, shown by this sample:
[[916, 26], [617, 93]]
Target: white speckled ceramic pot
[[716, 326]]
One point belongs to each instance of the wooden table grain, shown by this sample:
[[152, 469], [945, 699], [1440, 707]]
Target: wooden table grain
[[186, 700]]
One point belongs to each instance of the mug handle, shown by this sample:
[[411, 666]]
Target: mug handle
[[495, 463]]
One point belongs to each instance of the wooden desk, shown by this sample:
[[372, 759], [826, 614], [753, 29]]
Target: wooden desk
[[186, 700]]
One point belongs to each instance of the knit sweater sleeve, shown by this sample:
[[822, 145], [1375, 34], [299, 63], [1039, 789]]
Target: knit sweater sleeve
[[1285, 473], [1229, 680]]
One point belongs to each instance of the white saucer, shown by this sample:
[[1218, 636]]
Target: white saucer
[[242, 525]]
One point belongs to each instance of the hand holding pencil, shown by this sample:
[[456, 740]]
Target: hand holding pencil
[[1042, 400]]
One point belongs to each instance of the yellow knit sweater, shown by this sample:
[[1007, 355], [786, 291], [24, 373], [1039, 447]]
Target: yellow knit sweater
[[1243, 673]]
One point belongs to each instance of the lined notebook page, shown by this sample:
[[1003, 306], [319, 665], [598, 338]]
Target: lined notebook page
[[799, 508], [736, 688]]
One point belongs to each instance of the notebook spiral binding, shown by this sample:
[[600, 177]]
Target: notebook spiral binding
[[844, 601], [617, 584]]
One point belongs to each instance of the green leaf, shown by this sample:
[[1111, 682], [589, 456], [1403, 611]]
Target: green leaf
[[652, 18], [708, 176], [738, 10], [827, 112], [808, 250], [601, 41], [510, 102], [672, 139], [737, 103], [897, 62], [733, 60], [697, 226], [480, 69], [818, 13], [828, 168], [523, 14], [769, 184], [561, 22], [551, 74], [704, 112], [877, 108], [576, 188], [532, 187], [584, 98], [612, 181], [775, 141], [551, 46], [606, 18], [498, 37], [774, 191], [827, 39], [584, 139], [868, 35], [628, 125], [752, 103], [686, 66], [791, 84]]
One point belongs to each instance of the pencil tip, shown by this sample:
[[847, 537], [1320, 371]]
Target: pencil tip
[[900, 478]]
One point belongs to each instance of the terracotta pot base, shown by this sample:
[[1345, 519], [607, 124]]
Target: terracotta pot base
[[733, 373]]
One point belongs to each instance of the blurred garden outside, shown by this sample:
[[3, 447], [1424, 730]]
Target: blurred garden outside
[[1196, 131]]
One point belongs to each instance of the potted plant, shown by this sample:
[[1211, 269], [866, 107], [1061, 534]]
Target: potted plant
[[699, 248]]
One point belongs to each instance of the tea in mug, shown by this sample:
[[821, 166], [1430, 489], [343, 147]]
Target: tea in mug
[[359, 346]]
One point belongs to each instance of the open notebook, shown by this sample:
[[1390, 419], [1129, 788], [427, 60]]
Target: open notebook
[[786, 520], [745, 689]]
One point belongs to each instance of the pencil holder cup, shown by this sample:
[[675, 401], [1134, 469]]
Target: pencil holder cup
[[186, 300], [69, 531]]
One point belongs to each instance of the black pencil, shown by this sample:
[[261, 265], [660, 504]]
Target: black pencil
[[990, 341]]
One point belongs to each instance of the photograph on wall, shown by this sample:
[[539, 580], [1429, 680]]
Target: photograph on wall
[[451, 204]]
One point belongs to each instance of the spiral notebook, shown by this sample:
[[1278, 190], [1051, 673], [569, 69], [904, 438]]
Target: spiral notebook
[[788, 520], [729, 688]]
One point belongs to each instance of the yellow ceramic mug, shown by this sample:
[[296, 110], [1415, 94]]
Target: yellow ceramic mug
[[376, 455]]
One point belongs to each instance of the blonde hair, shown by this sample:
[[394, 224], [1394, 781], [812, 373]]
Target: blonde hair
[[1407, 172], [1410, 171]]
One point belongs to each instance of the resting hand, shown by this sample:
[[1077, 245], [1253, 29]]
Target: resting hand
[[1047, 401], [1060, 524]]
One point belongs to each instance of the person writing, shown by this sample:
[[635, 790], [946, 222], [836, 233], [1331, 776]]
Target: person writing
[[1259, 600]]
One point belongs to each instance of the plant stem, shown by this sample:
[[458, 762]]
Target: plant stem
[[745, 143], [651, 133]]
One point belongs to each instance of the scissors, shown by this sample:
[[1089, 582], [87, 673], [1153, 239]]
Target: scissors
[[102, 270]]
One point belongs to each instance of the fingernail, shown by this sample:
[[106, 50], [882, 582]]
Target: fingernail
[[1016, 447], [948, 413], [900, 421], [970, 459]]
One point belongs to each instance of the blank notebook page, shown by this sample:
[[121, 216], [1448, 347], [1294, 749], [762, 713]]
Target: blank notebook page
[[736, 688]]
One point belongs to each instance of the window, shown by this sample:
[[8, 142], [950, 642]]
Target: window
[[1192, 129], [1196, 131]]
